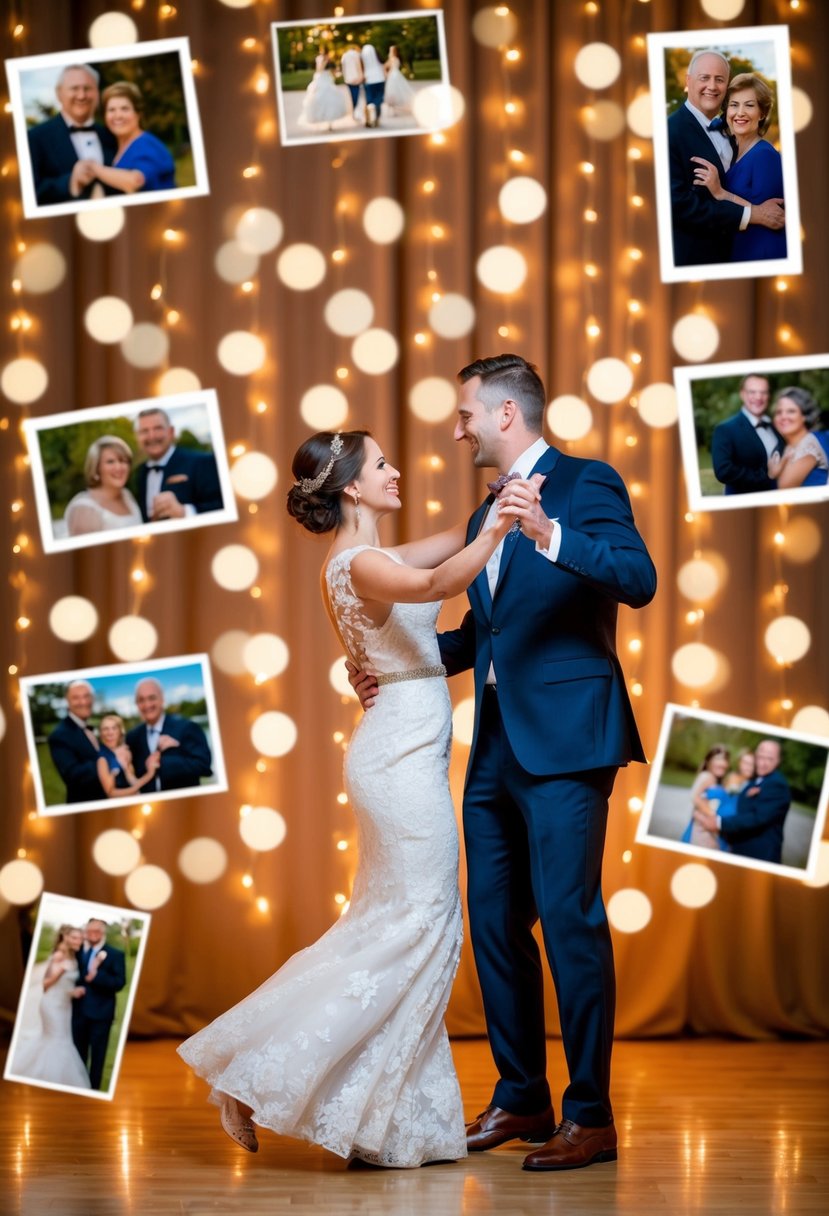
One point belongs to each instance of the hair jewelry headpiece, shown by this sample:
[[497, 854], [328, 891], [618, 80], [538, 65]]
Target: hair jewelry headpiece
[[309, 485]]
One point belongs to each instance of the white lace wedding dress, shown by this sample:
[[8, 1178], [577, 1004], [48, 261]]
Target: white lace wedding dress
[[51, 1055], [346, 1046]]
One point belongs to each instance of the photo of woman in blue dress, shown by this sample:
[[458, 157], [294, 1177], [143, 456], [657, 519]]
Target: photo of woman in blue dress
[[142, 162], [756, 172]]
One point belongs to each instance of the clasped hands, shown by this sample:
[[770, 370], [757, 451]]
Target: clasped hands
[[520, 502]]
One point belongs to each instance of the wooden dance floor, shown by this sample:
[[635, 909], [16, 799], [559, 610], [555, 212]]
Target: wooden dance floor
[[705, 1126]]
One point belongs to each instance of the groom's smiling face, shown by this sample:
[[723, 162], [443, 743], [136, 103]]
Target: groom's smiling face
[[477, 425], [707, 84]]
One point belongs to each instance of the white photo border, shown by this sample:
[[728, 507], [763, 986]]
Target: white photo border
[[768, 729], [337, 136], [684, 378], [87, 908], [147, 667], [32, 427], [131, 50], [778, 37]]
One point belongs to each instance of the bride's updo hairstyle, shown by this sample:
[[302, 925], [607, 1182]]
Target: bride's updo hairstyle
[[62, 934], [324, 465]]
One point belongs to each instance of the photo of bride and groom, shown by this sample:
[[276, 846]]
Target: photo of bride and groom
[[739, 790], [350, 77], [129, 469], [77, 996], [118, 735]]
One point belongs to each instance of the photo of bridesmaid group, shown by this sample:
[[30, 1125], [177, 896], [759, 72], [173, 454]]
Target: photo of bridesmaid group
[[114, 124], [348, 77]]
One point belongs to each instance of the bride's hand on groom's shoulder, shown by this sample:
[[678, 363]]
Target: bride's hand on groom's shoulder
[[363, 683]]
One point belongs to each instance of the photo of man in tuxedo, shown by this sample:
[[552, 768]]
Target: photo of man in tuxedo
[[74, 746], [741, 445], [174, 481], [756, 830], [102, 974], [63, 149], [703, 227], [170, 744]]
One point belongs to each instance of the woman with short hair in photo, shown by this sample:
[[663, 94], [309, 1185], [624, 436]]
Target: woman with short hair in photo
[[756, 172], [142, 162], [804, 461], [106, 503], [50, 1054]]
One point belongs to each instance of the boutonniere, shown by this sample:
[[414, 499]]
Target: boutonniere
[[177, 477]]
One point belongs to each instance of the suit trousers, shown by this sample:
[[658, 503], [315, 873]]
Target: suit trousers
[[534, 852], [91, 1037]]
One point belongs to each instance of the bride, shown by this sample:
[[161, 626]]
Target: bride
[[324, 102], [51, 1055], [399, 94], [106, 503], [345, 1046]]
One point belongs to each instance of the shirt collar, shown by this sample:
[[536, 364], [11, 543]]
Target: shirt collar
[[79, 721], [168, 455], [159, 725], [701, 118], [753, 419], [529, 458]]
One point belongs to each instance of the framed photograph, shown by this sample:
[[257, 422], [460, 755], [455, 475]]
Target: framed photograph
[[77, 996], [724, 156], [755, 432], [113, 736], [107, 124], [141, 467], [734, 790], [361, 77]]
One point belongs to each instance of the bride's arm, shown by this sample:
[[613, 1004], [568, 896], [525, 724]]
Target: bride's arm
[[377, 577], [793, 473], [431, 551], [54, 970], [128, 180]]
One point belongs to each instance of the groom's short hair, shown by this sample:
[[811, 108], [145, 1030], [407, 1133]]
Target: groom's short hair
[[510, 377], [96, 920], [156, 409], [708, 51]]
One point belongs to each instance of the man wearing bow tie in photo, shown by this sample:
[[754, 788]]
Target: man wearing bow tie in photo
[[704, 227], [174, 482], [741, 445], [170, 746], [64, 149]]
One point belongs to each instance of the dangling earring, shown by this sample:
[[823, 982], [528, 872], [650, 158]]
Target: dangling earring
[[357, 511]]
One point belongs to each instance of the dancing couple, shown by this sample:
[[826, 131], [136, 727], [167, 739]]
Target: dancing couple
[[346, 1046]]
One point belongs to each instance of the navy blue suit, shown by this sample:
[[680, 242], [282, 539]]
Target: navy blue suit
[[53, 158], [94, 1013], [739, 456], [76, 759], [545, 752], [756, 830], [192, 476], [181, 767], [703, 227]]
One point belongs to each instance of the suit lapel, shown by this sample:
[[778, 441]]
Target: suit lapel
[[479, 587]]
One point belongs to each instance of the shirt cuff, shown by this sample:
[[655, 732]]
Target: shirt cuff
[[189, 509], [719, 823], [745, 219], [555, 543]]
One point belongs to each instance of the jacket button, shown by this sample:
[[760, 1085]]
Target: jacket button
[[496, 629]]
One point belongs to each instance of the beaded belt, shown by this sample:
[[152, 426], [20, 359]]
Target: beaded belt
[[416, 673]]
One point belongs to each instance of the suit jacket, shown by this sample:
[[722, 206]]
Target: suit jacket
[[703, 227], [192, 476], [181, 767], [98, 1003], [53, 158], [551, 626], [756, 830], [76, 760], [739, 456]]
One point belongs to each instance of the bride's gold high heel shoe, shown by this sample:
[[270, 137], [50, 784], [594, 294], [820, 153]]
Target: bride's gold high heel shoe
[[237, 1126]]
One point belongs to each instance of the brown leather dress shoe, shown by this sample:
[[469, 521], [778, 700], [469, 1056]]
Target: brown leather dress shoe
[[572, 1146], [495, 1126]]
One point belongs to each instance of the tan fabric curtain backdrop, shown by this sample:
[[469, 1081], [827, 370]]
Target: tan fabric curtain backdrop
[[753, 961]]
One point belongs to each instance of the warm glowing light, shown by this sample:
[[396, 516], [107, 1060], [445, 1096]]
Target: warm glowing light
[[636, 689], [636, 200], [148, 887], [629, 910], [517, 156], [428, 186], [342, 799], [592, 328], [342, 845], [590, 216], [587, 167], [591, 270], [635, 307], [262, 904], [339, 898], [247, 881]]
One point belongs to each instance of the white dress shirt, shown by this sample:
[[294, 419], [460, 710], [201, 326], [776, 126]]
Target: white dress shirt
[[155, 477], [87, 144], [765, 433]]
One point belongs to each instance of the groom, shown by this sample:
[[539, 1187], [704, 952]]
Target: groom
[[102, 974], [173, 482], [756, 830], [553, 723]]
